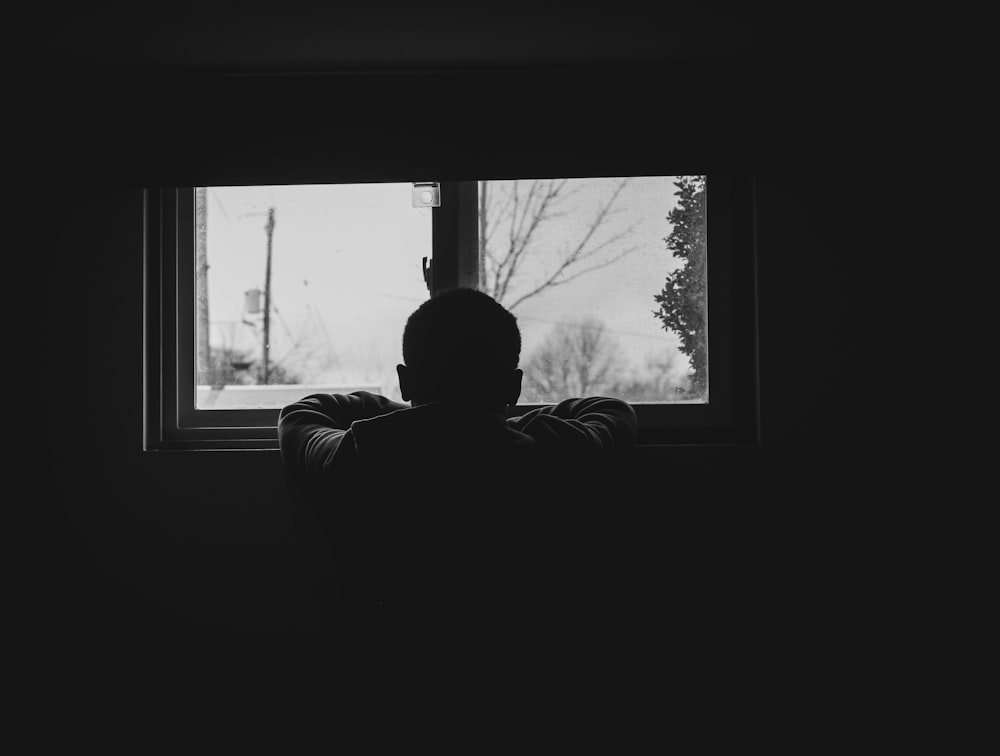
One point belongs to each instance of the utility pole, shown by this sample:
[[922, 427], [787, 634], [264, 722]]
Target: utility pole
[[483, 207], [267, 297], [201, 290]]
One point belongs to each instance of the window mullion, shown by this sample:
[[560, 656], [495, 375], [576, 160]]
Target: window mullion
[[456, 238], [468, 234]]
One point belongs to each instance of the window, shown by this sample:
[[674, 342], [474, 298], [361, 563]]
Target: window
[[340, 265], [639, 287]]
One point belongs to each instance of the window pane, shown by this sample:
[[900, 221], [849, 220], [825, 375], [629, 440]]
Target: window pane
[[607, 278], [345, 273]]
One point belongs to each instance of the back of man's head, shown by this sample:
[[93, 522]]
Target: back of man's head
[[461, 344]]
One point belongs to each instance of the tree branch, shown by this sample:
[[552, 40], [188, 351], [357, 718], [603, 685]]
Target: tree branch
[[527, 214], [554, 280]]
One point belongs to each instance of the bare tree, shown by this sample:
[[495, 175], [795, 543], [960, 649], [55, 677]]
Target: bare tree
[[576, 359], [665, 380], [512, 216]]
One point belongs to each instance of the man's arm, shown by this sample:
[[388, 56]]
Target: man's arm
[[593, 425], [314, 433]]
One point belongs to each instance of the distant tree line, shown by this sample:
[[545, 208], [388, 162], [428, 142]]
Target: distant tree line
[[583, 359], [237, 367]]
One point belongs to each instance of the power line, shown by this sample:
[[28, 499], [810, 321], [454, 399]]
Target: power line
[[322, 323], [222, 208], [284, 324], [580, 325]]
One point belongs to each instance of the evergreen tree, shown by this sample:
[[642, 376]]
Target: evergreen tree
[[683, 300]]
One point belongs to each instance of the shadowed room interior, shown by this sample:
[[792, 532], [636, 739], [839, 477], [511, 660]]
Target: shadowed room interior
[[788, 586]]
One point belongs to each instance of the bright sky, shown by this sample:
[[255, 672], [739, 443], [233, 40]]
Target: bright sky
[[346, 273]]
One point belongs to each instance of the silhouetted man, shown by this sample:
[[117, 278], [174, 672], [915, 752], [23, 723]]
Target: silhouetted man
[[469, 544]]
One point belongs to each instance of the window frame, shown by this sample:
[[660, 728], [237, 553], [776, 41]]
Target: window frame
[[173, 423]]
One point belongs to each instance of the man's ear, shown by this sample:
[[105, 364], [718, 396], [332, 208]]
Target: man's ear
[[405, 389], [514, 390]]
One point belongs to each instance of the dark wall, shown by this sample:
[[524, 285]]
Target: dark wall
[[186, 597]]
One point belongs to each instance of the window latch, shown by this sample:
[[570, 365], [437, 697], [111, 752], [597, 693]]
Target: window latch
[[426, 194]]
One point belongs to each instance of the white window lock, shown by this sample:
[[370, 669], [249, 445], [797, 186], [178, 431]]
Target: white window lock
[[426, 194]]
